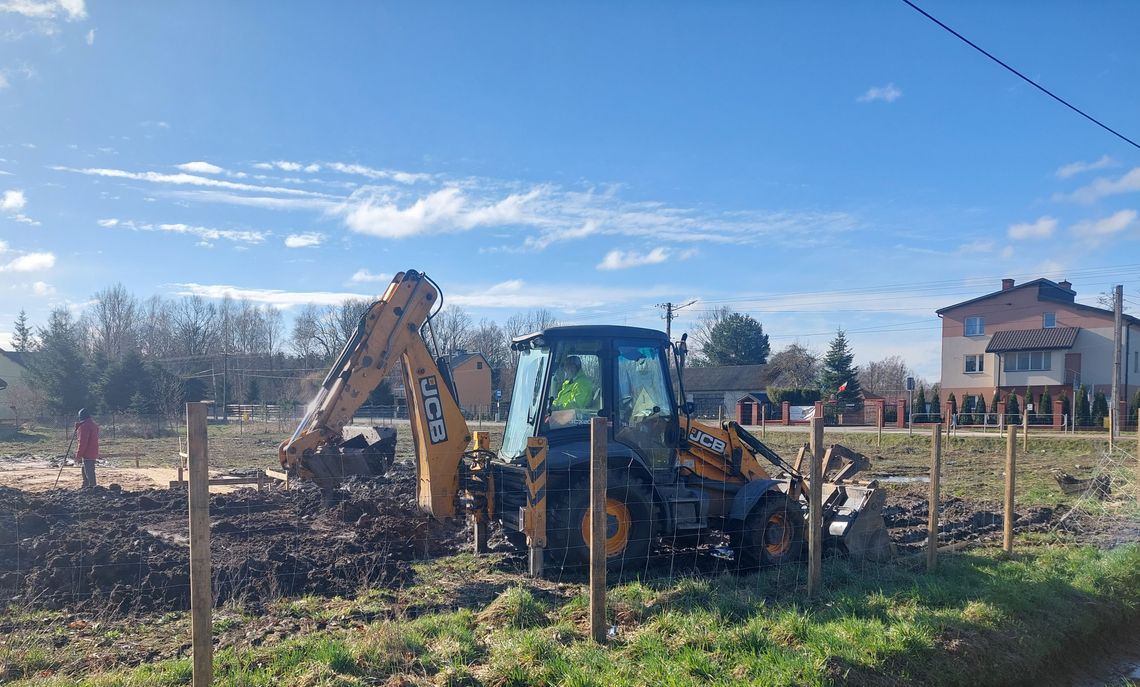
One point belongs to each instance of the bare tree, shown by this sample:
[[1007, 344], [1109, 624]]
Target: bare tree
[[534, 320], [489, 339], [702, 332], [303, 339], [194, 323], [114, 322], [886, 376], [452, 330], [273, 325], [156, 328], [794, 367]]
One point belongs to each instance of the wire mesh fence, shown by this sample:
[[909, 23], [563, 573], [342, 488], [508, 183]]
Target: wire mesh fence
[[103, 555]]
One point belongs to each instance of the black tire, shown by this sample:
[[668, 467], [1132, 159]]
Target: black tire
[[774, 533], [567, 515]]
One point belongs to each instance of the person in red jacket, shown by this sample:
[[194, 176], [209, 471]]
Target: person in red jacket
[[87, 435]]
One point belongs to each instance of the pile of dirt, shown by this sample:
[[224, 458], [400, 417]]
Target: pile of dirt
[[108, 550], [960, 520]]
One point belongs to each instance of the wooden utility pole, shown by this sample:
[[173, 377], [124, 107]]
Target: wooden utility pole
[[1114, 409], [598, 520], [935, 482], [670, 314], [1010, 471], [815, 506], [201, 597]]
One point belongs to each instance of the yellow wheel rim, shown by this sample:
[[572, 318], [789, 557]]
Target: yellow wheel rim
[[777, 534], [619, 521]]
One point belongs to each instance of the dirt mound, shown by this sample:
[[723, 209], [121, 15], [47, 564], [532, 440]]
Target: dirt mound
[[959, 520], [114, 551]]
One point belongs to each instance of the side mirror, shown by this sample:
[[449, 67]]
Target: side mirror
[[682, 349]]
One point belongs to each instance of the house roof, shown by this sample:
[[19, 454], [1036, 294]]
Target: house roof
[[1033, 339], [461, 357], [17, 357], [1047, 290], [755, 397], [726, 378]]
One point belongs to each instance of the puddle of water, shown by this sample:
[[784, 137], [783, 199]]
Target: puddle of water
[[903, 479]]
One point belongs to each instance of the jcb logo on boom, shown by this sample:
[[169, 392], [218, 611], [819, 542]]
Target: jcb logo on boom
[[706, 440], [433, 410]]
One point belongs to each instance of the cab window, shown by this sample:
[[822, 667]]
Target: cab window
[[575, 394], [645, 412]]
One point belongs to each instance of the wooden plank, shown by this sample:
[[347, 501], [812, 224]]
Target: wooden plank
[[201, 596], [276, 474], [815, 507], [1010, 470], [598, 479], [932, 506]]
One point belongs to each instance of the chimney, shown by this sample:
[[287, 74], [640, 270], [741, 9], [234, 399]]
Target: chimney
[[1006, 284], [1066, 284]]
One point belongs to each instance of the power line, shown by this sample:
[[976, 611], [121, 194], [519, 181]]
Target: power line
[[1028, 80]]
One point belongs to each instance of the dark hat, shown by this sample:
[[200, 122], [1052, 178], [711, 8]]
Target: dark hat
[[84, 414]]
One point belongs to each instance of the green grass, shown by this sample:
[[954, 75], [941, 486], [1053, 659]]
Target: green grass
[[980, 619]]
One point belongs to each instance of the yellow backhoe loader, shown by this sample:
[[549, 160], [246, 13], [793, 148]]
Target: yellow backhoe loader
[[670, 476]]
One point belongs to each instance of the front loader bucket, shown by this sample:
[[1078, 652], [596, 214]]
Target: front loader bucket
[[858, 523], [363, 451]]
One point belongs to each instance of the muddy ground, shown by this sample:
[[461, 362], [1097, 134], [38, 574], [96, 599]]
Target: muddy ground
[[117, 552], [112, 551]]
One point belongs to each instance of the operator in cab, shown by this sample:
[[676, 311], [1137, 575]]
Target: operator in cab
[[577, 391]]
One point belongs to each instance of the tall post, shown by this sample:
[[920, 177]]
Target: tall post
[[815, 505], [1114, 409], [1010, 471], [1025, 423], [201, 597], [598, 518], [935, 483], [534, 520], [763, 420], [480, 441], [879, 411]]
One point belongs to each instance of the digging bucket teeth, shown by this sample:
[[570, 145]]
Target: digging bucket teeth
[[857, 522], [363, 451]]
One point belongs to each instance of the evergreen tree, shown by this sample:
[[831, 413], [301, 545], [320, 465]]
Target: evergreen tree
[[980, 409], [935, 405], [1099, 409], [1134, 409], [253, 391], [1066, 407], [994, 409], [60, 371], [919, 401], [1012, 409], [23, 340], [122, 380], [839, 370], [1046, 412], [1083, 411], [952, 404], [737, 339]]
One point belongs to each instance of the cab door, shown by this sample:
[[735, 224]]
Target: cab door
[[646, 417]]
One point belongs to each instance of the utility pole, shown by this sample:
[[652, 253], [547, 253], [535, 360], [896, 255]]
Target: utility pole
[[1118, 315], [670, 310], [225, 384]]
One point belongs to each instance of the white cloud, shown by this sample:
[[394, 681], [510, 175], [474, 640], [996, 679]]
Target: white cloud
[[199, 167], [187, 179], [888, 94], [372, 173], [446, 210], [276, 297], [570, 234], [287, 166], [1042, 228], [1128, 183], [13, 200], [363, 276], [517, 294], [32, 262], [306, 240], [621, 260], [1074, 168], [204, 233], [91, 37], [4, 81], [42, 288], [72, 10], [3, 246], [1106, 226]]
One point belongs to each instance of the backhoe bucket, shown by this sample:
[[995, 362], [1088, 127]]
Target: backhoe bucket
[[363, 451], [857, 522]]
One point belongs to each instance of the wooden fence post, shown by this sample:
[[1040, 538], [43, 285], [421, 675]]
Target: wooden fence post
[[879, 408], [201, 596], [1025, 426], [935, 483], [598, 523], [1010, 469], [815, 505], [480, 441]]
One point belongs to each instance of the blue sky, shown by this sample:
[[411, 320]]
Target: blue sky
[[816, 165]]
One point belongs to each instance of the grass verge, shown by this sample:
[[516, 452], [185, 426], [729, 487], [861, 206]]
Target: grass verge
[[980, 619]]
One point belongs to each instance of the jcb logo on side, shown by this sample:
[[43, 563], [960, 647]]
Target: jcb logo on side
[[708, 441], [433, 410]]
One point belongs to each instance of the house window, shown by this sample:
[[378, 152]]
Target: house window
[[478, 366], [1048, 320], [1028, 361], [976, 363], [975, 326]]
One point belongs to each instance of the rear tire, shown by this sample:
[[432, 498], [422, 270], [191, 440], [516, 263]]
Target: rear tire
[[773, 534], [630, 524]]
